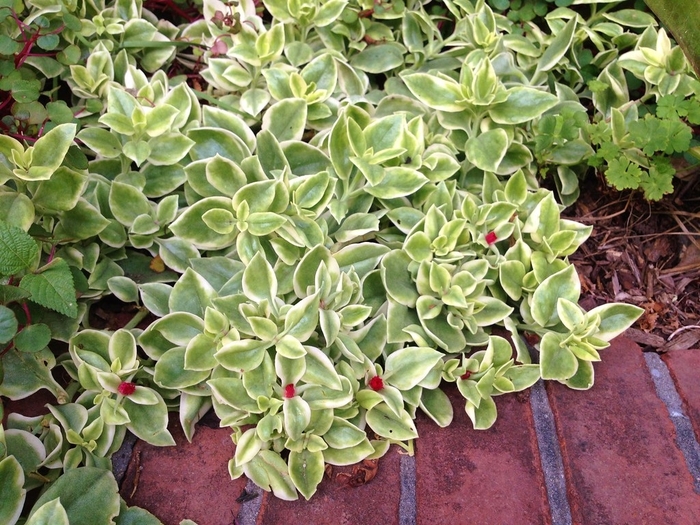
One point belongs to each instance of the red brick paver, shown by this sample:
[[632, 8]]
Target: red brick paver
[[472, 476], [618, 443], [189, 480], [684, 366], [338, 503]]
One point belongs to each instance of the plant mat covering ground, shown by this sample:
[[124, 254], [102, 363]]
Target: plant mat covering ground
[[646, 254]]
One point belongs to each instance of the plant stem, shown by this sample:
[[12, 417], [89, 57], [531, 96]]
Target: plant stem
[[138, 317]]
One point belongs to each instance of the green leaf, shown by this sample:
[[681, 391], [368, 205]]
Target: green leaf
[[10, 294], [631, 18], [306, 469], [191, 227], [302, 318], [407, 367], [487, 150], [101, 141], [192, 293], [320, 369], [149, 422], [615, 318], [522, 105], [53, 288], [25, 91], [623, 174], [264, 223], [127, 202], [583, 378], [556, 360], [170, 371], [286, 119], [139, 516], [82, 221], [297, 415], [437, 406], [27, 373], [12, 494], [16, 209], [259, 280], [563, 284], [89, 495], [511, 275], [18, 251], [253, 101], [168, 149], [137, 151], [231, 391], [50, 149], [242, 355], [62, 191], [558, 47], [484, 416], [50, 513], [270, 472], [33, 338], [492, 312], [379, 58], [436, 92], [397, 182], [388, 425]]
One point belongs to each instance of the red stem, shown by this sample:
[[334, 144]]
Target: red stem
[[52, 254], [7, 348], [27, 313]]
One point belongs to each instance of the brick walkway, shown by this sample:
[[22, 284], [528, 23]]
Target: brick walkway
[[624, 452]]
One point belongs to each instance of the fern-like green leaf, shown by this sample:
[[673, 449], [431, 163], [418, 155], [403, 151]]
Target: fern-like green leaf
[[659, 180], [53, 288], [623, 174], [18, 251]]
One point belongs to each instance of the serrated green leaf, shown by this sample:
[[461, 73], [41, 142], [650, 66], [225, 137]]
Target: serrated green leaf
[[53, 288], [18, 251]]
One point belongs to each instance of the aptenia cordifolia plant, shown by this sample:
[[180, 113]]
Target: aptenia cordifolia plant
[[330, 210]]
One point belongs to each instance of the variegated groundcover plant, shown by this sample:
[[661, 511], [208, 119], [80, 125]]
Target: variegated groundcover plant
[[326, 210]]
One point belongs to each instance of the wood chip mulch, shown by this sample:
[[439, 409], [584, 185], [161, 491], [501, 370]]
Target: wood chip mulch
[[646, 254]]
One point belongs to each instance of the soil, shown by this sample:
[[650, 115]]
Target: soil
[[643, 253]]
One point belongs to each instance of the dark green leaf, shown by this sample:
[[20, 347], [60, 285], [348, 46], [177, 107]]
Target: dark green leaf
[[33, 338], [53, 288], [18, 251]]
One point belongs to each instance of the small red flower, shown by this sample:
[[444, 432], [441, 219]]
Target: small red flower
[[289, 391], [126, 389], [491, 238], [376, 383], [466, 375]]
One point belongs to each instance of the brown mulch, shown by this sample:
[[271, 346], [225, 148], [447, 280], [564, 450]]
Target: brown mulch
[[644, 253]]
